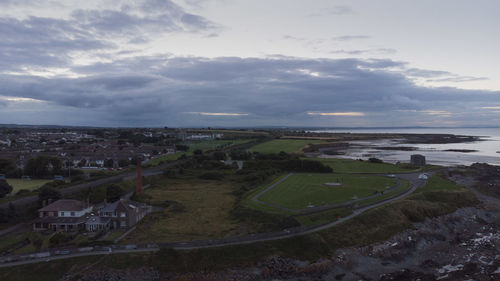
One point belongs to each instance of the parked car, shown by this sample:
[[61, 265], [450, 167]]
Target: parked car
[[423, 176]]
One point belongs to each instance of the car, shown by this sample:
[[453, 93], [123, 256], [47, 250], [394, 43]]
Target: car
[[391, 175], [423, 176]]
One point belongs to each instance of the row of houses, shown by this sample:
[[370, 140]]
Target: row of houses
[[72, 215]]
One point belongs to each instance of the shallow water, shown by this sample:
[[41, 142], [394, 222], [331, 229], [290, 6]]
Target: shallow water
[[434, 153]]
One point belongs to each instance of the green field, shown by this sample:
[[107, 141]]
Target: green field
[[301, 190], [288, 146], [438, 183], [355, 166], [194, 209], [19, 184], [194, 145]]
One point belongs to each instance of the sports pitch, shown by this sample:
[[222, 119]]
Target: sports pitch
[[302, 190]]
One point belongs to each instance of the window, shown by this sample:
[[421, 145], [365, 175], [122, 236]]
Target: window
[[123, 224], [72, 214], [123, 214], [62, 214]]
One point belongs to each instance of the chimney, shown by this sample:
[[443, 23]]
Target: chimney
[[44, 203], [139, 177], [49, 201]]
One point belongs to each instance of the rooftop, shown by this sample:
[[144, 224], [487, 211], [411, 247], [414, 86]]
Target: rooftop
[[65, 205]]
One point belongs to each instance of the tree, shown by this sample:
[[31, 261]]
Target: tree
[[123, 163], [5, 188], [6, 165], [43, 166], [108, 163], [113, 193], [46, 193], [219, 155], [181, 147]]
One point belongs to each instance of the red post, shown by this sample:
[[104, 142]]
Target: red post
[[139, 177]]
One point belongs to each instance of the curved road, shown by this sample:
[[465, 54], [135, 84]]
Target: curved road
[[415, 183]]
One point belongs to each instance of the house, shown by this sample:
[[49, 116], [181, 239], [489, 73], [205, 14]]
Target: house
[[124, 213], [96, 223], [417, 160], [62, 215]]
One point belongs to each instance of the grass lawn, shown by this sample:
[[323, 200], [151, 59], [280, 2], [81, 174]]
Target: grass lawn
[[404, 187], [213, 144], [194, 145], [300, 190], [355, 166], [114, 235], [288, 146], [437, 183], [205, 215], [323, 217], [19, 184]]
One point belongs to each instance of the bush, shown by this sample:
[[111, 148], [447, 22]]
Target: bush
[[212, 176], [48, 192], [23, 191], [113, 192], [181, 147], [219, 155], [174, 206], [267, 221], [59, 239], [375, 160], [5, 188]]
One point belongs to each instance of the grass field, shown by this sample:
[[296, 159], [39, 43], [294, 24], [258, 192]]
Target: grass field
[[372, 226], [194, 145], [213, 144], [205, 213], [288, 146], [404, 187], [19, 184], [355, 166], [438, 183], [301, 190], [323, 217]]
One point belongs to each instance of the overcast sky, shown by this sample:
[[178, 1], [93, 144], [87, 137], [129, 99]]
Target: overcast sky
[[250, 62]]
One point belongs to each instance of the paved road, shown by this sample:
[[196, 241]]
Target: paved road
[[240, 240]]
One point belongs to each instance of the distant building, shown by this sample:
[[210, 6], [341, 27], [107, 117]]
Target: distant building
[[417, 160]]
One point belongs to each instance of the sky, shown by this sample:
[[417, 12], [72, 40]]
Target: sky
[[241, 63]]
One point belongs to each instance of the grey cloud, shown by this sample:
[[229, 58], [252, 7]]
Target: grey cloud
[[381, 51], [350, 37], [41, 42], [335, 10], [272, 91], [440, 76]]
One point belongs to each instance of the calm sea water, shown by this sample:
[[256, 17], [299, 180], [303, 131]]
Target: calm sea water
[[434, 153]]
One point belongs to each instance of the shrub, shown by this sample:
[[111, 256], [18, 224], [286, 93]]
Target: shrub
[[375, 160], [212, 176], [59, 239]]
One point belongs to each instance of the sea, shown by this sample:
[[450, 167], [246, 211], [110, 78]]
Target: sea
[[487, 150]]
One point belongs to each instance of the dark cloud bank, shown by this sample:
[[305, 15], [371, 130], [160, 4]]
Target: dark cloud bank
[[274, 91]]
